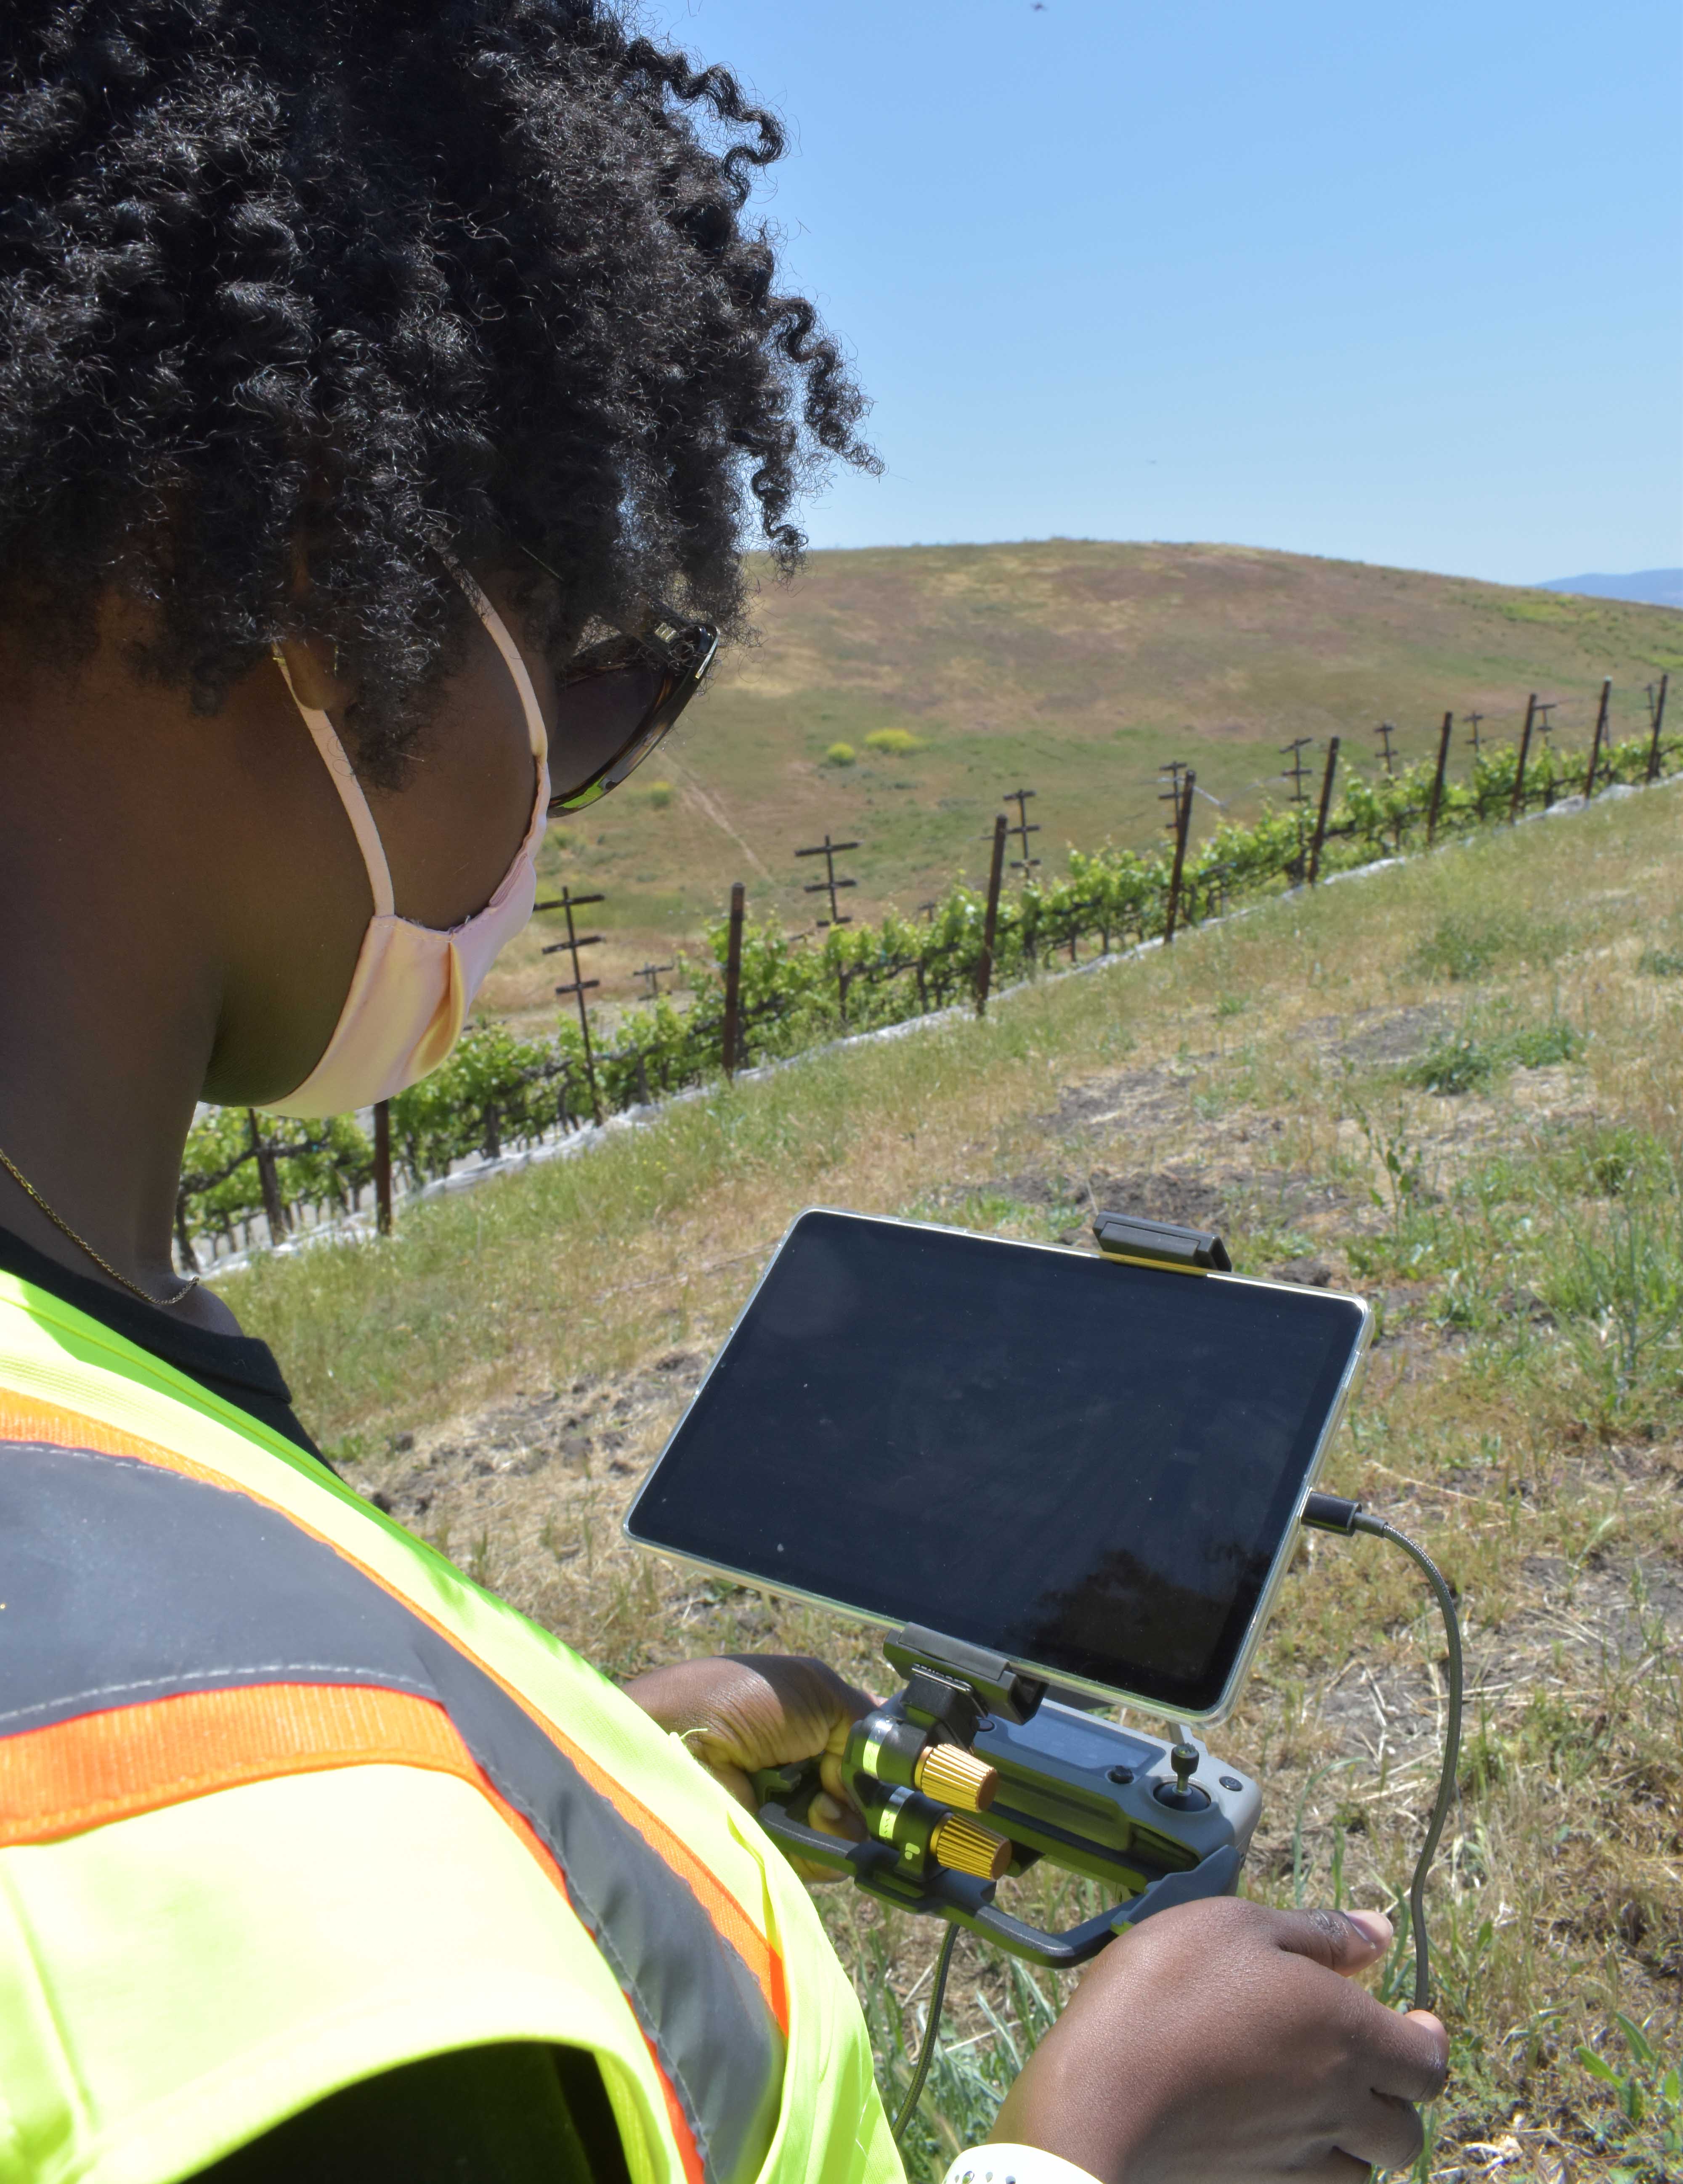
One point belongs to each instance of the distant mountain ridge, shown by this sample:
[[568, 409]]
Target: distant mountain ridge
[[1650, 587]]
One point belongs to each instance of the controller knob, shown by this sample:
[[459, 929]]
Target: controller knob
[[1184, 1797], [959, 1843], [953, 1776]]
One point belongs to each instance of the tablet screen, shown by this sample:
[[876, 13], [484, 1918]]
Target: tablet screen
[[1089, 1465]]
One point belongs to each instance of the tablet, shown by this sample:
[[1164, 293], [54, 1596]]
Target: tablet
[[1095, 1467]]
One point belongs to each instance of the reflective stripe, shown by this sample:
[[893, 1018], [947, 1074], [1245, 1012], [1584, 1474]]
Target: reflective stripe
[[27, 1419], [130, 1583], [110, 1766]]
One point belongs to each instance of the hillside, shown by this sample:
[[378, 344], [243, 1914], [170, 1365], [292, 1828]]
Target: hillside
[[1067, 667], [1453, 1086]]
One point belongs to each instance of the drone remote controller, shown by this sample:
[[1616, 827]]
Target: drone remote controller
[[974, 1772]]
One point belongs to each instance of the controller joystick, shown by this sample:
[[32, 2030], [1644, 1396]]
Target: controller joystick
[[1184, 1796]]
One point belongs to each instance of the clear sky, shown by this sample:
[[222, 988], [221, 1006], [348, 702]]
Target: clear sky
[[1393, 283]]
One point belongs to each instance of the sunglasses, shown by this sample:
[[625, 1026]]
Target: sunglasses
[[617, 701]]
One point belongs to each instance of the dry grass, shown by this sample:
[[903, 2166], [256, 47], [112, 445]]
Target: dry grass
[[1523, 1415]]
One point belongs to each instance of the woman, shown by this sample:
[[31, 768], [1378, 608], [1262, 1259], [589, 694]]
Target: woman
[[389, 395]]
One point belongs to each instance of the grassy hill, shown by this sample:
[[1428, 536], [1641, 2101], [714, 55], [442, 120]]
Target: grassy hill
[[1454, 1086], [1071, 667]]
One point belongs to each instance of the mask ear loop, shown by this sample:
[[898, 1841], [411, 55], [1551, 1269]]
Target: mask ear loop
[[343, 773], [498, 632]]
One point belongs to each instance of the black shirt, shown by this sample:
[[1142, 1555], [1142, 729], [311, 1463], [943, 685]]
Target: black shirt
[[240, 1369]]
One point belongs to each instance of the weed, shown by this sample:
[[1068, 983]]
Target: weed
[[840, 754], [1462, 946], [1457, 1065], [1661, 962], [1467, 1061], [1618, 1282], [1542, 1046], [896, 743], [969, 2076], [1401, 1157], [1648, 2101]]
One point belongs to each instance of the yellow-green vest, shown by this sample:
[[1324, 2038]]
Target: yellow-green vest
[[285, 1800]]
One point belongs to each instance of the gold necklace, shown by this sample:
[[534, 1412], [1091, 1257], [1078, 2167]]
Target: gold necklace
[[82, 1243]]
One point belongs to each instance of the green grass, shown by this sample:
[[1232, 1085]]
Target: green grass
[[1522, 1414]]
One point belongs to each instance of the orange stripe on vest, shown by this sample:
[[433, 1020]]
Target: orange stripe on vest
[[110, 1766], [23, 1418], [128, 1760]]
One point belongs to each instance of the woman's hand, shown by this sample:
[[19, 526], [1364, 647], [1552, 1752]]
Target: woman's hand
[[1223, 2041], [740, 1711]]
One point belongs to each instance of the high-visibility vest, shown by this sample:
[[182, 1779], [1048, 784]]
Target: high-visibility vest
[[285, 1800]]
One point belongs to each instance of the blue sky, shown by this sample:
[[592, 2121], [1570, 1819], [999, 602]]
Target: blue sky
[[1397, 284]]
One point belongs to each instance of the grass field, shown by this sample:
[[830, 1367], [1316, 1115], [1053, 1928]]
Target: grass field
[[1071, 667], [1454, 1086]]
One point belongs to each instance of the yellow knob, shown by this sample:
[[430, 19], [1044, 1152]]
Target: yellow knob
[[953, 1776], [960, 1843]]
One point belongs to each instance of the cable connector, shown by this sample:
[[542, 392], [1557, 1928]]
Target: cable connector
[[1331, 1512]]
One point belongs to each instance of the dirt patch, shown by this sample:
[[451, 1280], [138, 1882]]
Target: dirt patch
[[1192, 1199], [527, 1496], [1377, 1039], [1135, 1096]]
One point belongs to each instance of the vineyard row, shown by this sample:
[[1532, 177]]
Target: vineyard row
[[499, 1092]]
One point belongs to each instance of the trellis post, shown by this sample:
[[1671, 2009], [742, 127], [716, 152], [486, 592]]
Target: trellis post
[[1658, 705], [1437, 778], [382, 1167], [1598, 739], [1516, 804], [985, 969], [1183, 824], [1314, 872], [731, 1055]]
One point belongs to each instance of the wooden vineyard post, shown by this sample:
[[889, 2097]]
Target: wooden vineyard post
[[985, 969], [1024, 828], [268, 1180], [382, 1167], [1518, 803], [1294, 773], [1314, 872], [829, 885], [1437, 778], [731, 1055], [1658, 705], [579, 985], [1183, 824], [183, 1239], [1599, 738]]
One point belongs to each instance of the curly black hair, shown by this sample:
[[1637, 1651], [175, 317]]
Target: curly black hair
[[367, 278]]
